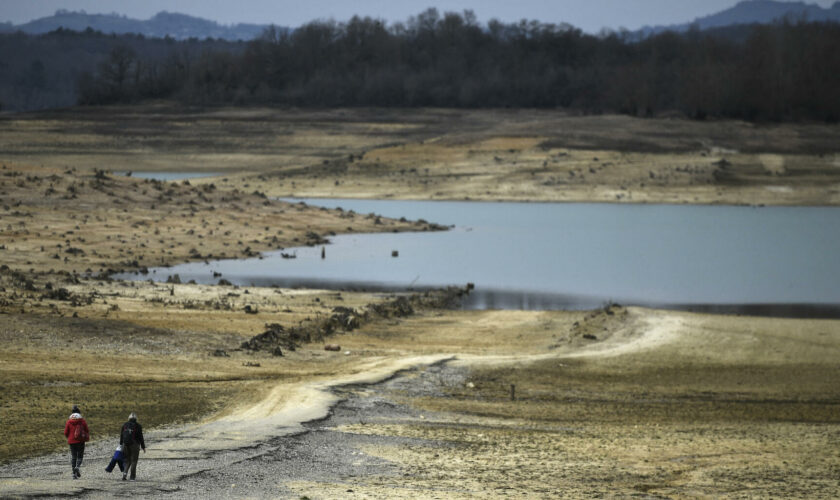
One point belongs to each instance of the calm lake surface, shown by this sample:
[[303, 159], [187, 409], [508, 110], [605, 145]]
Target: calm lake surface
[[167, 176], [573, 255]]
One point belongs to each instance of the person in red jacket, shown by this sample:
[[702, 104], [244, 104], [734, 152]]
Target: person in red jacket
[[77, 433]]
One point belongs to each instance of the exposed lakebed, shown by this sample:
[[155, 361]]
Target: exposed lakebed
[[780, 260]]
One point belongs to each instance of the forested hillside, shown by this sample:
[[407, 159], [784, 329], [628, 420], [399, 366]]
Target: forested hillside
[[50, 70], [773, 72]]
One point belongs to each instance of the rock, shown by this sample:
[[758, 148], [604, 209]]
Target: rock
[[276, 336], [332, 347], [220, 353], [399, 307], [343, 317], [60, 294], [589, 336]]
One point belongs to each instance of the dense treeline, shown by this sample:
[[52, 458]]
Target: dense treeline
[[777, 72], [58, 68]]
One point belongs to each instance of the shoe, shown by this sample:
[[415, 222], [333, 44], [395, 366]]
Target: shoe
[[77, 472], [133, 479], [123, 477]]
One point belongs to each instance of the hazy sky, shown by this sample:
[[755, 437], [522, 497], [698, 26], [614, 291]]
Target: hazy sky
[[590, 15]]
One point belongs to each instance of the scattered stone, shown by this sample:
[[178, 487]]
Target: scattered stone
[[347, 319], [60, 294], [275, 336], [220, 353], [332, 347]]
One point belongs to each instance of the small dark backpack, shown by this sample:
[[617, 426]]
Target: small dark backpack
[[128, 430]]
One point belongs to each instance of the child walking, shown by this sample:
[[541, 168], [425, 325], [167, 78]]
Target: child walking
[[117, 459]]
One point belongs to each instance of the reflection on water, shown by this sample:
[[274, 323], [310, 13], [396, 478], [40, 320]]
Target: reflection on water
[[553, 256]]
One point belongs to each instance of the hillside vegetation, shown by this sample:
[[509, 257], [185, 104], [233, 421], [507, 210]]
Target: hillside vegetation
[[786, 71]]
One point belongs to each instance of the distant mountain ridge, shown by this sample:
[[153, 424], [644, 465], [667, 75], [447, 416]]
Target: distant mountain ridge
[[177, 26], [756, 12], [182, 26]]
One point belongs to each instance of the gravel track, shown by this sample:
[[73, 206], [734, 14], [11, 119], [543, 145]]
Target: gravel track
[[315, 451]]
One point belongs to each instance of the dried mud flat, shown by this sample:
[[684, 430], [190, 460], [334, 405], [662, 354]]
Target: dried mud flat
[[437, 154], [615, 402], [658, 404]]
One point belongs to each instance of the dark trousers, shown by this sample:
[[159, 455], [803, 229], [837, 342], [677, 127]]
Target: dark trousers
[[77, 453], [114, 462], [131, 453]]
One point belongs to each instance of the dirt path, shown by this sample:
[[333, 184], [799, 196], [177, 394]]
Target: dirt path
[[184, 451], [639, 410], [248, 434]]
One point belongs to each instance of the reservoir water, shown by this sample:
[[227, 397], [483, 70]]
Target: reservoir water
[[574, 255], [167, 176]]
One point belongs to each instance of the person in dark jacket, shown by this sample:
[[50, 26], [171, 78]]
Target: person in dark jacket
[[131, 439], [77, 433]]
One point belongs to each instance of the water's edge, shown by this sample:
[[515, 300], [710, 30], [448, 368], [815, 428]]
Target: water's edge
[[726, 260]]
